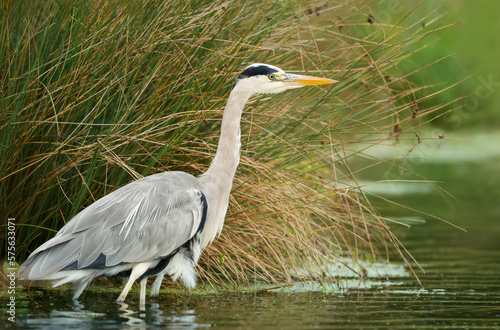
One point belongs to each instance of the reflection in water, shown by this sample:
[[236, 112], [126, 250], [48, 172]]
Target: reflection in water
[[73, 314], [76, 317], [188, 318], [133, 320]]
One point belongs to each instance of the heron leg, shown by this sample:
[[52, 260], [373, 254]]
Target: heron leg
[[79, 289], [143, 282], [155, 288], [137, 271]]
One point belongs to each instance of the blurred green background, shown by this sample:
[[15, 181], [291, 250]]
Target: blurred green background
[[462, 168], [470, 34]]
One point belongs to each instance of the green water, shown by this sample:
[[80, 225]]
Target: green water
[[461, 279]]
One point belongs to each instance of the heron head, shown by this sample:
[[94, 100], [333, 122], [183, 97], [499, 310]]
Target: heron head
[[268, 79]]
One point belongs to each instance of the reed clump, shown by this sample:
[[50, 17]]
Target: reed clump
[[95, 94]]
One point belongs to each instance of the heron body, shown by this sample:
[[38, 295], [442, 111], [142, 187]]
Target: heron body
[[161, 223]]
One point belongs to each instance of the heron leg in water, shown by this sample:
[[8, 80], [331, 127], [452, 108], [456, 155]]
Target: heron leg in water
[[79, 289], [137, 271], [144, 281], [155, 288]]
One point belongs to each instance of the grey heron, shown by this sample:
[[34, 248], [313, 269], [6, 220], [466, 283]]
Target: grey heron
[[161, 223]]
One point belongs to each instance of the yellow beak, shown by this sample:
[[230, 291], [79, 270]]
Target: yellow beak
[[301, 80]]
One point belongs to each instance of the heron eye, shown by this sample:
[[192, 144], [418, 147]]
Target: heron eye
[[271, 76]]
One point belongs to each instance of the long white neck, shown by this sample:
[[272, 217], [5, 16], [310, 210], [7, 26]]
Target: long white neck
[[217, 181]]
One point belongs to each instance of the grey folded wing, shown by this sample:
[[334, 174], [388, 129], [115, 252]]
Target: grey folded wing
[[145, 220]]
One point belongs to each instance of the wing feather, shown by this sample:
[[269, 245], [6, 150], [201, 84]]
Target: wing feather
[[142, 221]]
